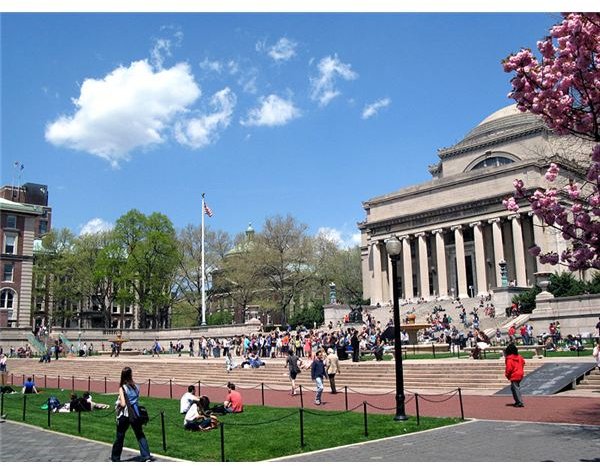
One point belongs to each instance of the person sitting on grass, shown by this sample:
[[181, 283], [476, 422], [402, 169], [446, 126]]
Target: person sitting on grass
[[29, 387], [187, 399], [233, 403], [197, 419]]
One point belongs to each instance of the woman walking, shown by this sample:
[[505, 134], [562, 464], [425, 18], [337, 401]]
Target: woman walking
[[129, 394], [515, 370], [292, 364]]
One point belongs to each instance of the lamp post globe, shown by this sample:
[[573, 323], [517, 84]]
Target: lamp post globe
[[393, 247]]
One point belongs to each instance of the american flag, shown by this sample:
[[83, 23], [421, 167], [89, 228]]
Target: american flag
[[207, 210]]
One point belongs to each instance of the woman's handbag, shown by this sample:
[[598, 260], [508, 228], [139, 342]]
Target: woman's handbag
[[134, 418]]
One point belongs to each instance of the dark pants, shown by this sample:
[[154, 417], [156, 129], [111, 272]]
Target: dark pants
[[515, 388], [332, 383], [122, 426], [355, 354]]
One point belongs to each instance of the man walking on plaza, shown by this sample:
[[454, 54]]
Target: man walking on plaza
[[318, 373], [333, 368]]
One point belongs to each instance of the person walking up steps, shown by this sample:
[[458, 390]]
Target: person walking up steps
[[515, 370]]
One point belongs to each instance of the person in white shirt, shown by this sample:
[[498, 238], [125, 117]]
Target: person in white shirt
[[188, 399], [196, 417]]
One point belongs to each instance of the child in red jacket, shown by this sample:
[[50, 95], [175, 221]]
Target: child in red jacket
[[515, 370]]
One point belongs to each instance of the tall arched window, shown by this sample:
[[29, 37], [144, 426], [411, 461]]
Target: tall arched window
[[7, 301], [494, 161]]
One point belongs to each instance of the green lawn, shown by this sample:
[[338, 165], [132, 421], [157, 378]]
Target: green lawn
[[257, 434]]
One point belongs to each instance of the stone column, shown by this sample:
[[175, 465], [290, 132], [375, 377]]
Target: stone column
[[539, 238], [376, 295], [407, 264], [479, 259], [423, 266], [442, 274], [498, 247], [520, 268], [22, 300], [461, 268]]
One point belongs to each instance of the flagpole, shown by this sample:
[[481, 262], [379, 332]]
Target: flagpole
[[203, 276]]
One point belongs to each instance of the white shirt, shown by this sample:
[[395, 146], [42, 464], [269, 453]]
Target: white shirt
[[192, 414], [186, 402]]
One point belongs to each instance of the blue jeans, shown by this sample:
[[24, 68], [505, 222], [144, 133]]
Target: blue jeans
[[122, 426], [319, 382]]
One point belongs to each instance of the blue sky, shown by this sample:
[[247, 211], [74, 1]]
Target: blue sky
[[306, 114]]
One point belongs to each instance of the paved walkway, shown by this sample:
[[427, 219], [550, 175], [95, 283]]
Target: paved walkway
[[21, 442], [475, 441]]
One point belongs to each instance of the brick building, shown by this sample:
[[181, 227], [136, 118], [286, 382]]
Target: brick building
[[25, 217]]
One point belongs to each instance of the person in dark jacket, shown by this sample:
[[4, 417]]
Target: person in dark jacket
[[355, 346], [515, 371], [318, 373]]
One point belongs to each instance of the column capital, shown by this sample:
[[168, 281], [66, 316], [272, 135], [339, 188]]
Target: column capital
[[495, 220], [514, 216], [421, 234], [404, 237], [475, 224], [437, 231], [456, 227]]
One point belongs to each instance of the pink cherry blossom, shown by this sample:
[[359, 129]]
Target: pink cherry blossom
[[562, 85]]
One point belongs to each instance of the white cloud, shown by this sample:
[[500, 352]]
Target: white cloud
[[372, 109], [273, 111], [283, 50], [129, 108], [323, 86], [162, 46], [95, 225], [204, 130], [342, 239], [215, 66]]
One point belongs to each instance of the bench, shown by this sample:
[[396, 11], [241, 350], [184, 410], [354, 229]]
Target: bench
[[539, 349]]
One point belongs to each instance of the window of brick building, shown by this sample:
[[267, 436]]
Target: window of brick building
[[11, 221], [10, 243], [7, 275]]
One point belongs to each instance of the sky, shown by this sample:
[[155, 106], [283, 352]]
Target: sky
[[307, 114]]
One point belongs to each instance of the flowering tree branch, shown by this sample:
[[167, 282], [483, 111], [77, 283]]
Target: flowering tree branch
[[563, 87]]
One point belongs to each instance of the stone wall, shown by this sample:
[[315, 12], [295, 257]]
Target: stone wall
[[137, 339], [578, 315]]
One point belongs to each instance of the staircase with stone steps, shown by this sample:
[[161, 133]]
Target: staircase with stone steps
[[590, 383], [364, 376]]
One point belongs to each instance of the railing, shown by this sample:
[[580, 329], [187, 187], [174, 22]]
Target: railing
[[19, 410]]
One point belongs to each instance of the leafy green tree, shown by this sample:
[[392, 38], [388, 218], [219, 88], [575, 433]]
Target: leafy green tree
[[147, 245], [220, 318], [308, 316], [341, 266], [565, 284], [56, 276], [188, 282], [284, 253]]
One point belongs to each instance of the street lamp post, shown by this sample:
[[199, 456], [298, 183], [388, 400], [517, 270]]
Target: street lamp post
[[393, 248]]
